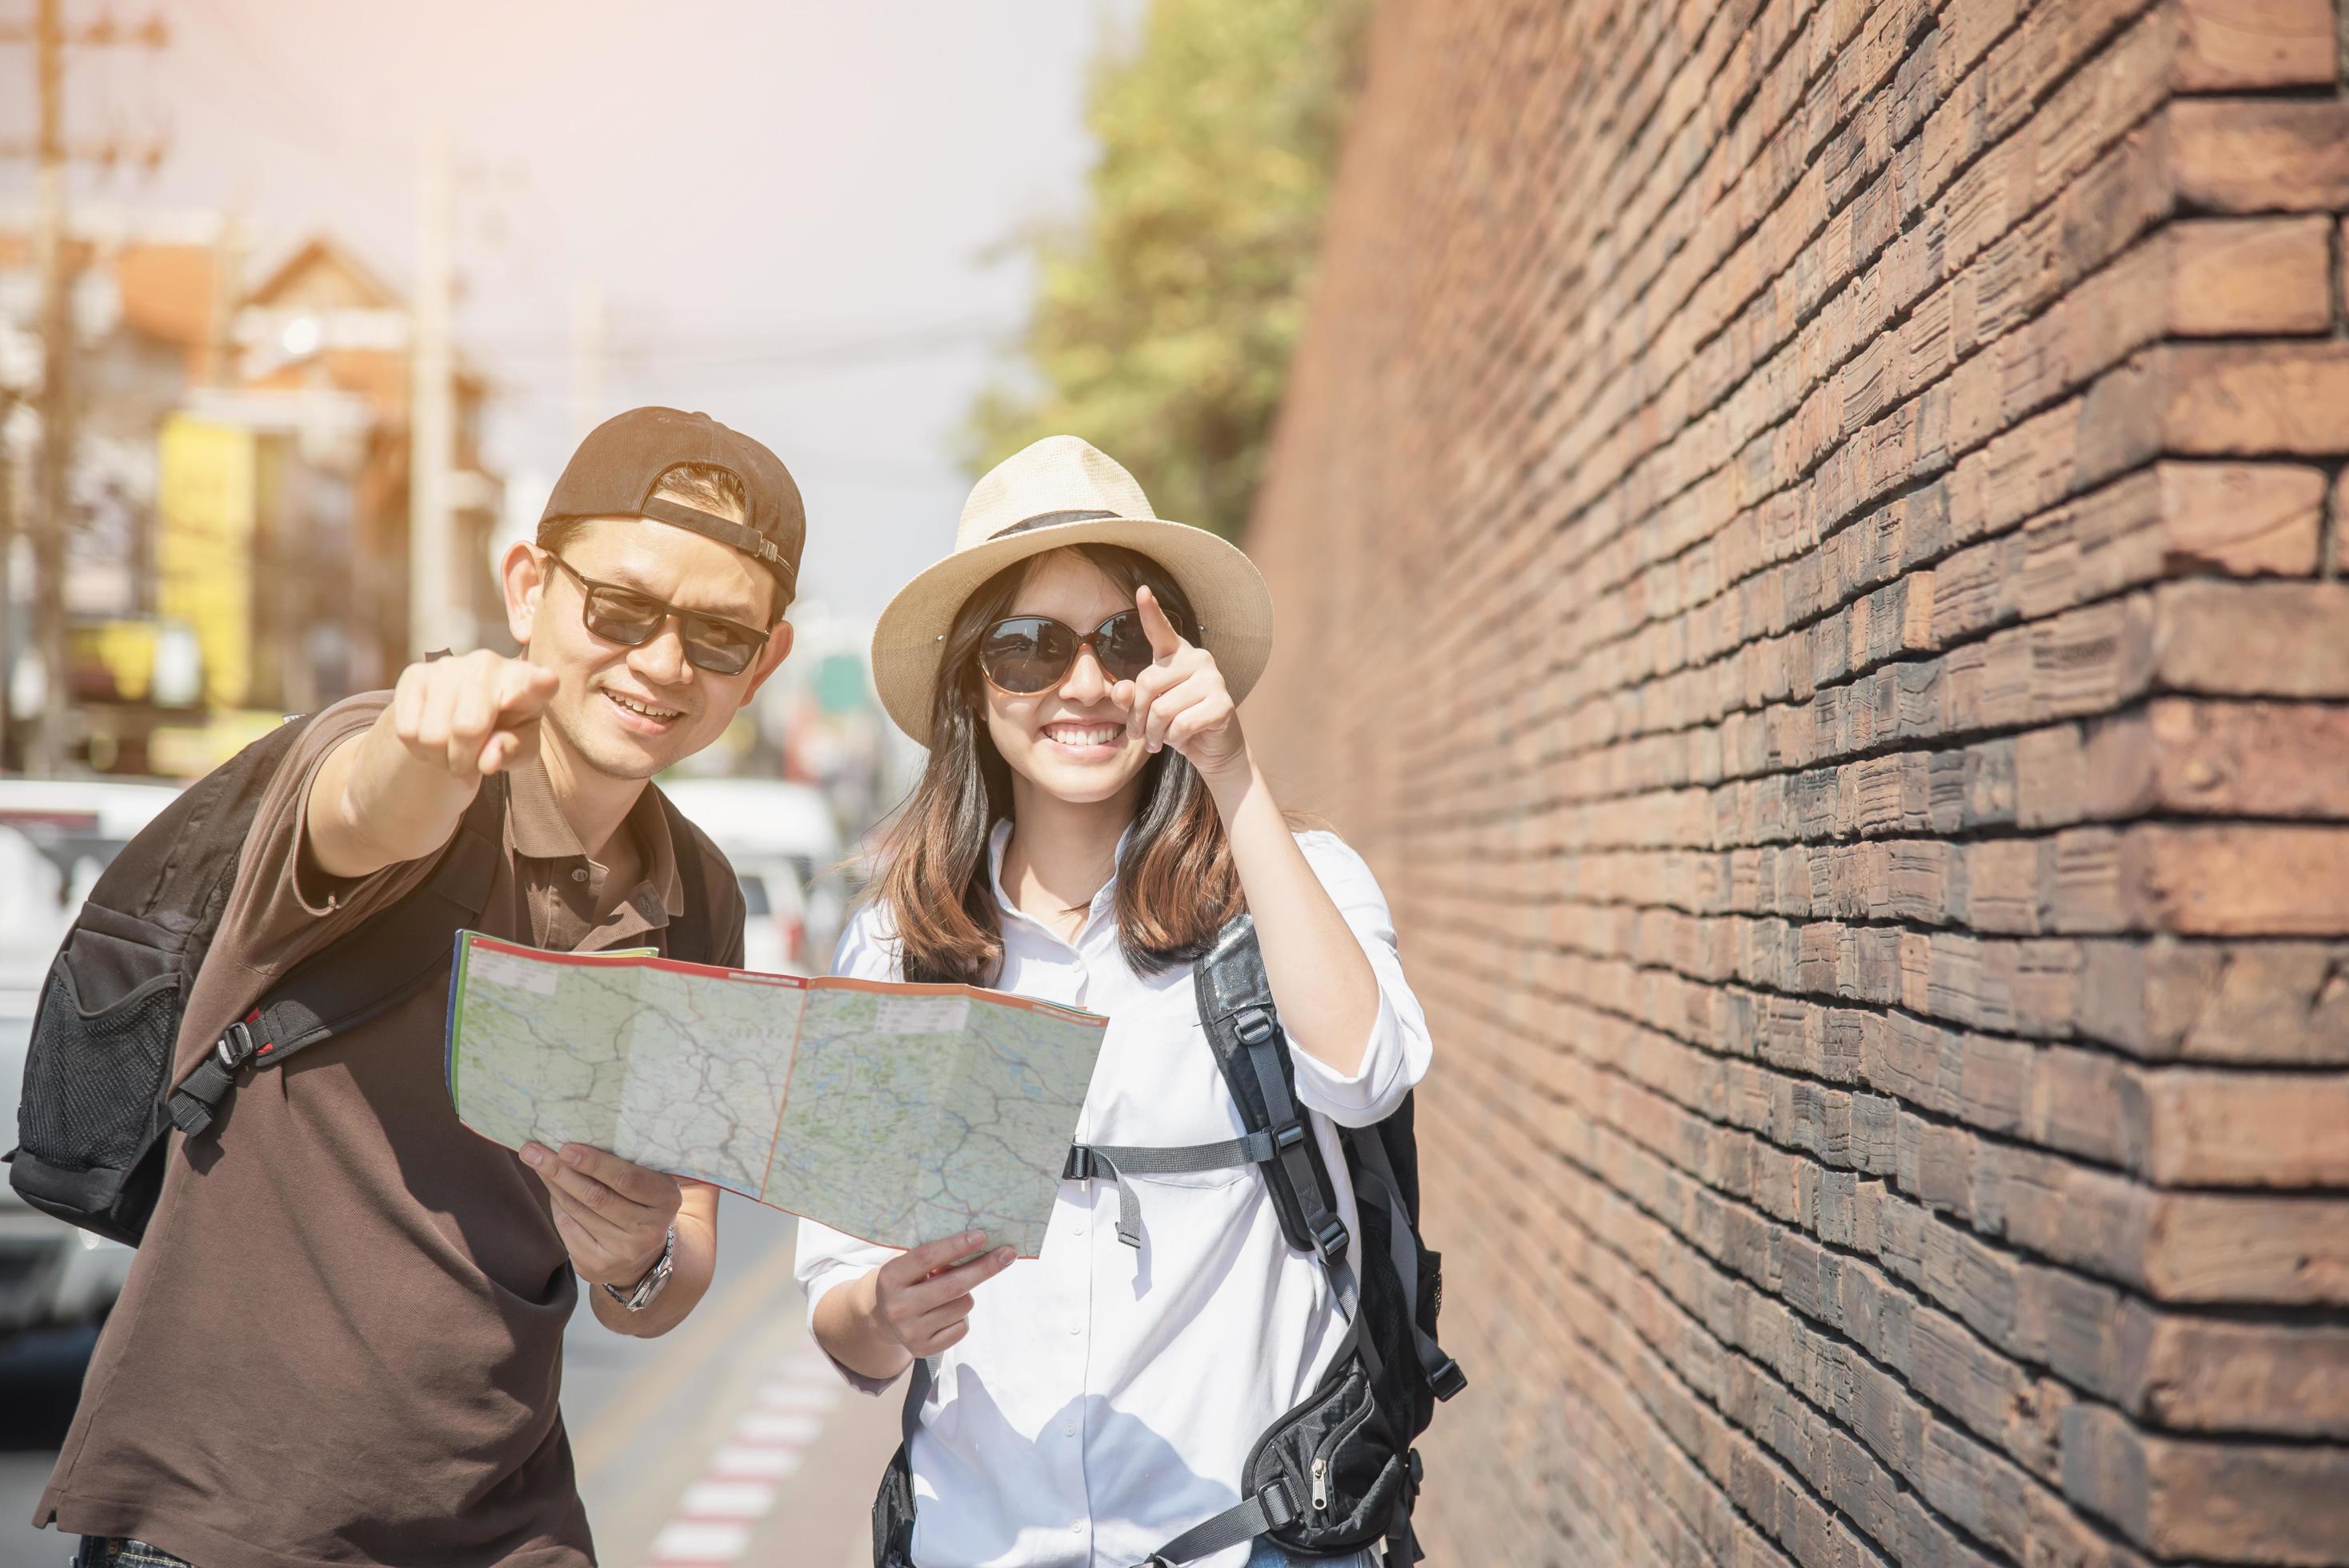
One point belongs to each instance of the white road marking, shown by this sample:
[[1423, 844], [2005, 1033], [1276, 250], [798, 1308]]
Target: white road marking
[[691, 1541], [778, 1427], [744, 1459], [725, 1499], [798, 1396], [714, 1520]]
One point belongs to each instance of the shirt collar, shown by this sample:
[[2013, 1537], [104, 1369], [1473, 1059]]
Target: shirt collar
[[1000, 839], [537, 828], [536, 825]]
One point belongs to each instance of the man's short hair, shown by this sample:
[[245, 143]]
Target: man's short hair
[[703, 486]]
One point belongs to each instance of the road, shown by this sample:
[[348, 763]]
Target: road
[[725, 1441]]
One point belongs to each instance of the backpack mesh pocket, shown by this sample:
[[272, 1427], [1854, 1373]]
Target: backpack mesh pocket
[[94, 1081]]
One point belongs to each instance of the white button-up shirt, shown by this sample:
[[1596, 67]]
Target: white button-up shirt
[[1106, 1399]]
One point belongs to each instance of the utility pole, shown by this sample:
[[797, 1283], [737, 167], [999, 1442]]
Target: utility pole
[[432, 610], [47, 754], [7, 566]]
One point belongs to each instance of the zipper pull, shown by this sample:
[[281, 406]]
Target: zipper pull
[[1321, 1486]]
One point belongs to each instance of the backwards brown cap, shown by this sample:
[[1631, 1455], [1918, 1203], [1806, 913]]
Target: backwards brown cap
[[619, 466]]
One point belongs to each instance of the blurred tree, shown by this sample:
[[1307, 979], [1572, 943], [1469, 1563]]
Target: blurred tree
[[1165, 317]]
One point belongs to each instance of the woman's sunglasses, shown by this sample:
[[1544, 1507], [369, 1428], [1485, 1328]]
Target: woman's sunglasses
[[623, 616], [1028, 653]]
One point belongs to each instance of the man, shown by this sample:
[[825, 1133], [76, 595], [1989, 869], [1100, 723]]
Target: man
[[342, 1340]]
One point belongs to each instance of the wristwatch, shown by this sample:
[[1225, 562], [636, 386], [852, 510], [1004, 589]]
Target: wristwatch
[[647, 1289]]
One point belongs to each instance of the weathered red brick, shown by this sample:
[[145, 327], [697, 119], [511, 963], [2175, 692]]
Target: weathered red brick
[[1872, 469], [2235, 880], [2212, 1129], [2246, 277], [2262, 639], [2183, 1499], [2230, 45], [2262, 155]]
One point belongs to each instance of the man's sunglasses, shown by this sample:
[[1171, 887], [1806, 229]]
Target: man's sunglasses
[[623, 616], [1028, 653]]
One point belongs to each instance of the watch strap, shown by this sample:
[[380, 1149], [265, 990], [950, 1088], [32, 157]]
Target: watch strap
[[640, 1295]]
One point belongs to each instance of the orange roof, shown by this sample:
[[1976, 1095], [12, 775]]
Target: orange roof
[[168, 290]]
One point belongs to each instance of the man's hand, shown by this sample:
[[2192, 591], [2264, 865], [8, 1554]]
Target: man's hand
[[395, 792], [614, 1217], [471, 716]]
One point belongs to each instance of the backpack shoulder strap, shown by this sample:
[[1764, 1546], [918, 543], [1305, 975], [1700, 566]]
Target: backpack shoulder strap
[[1236, 1011], [375, 966], [1232, 988]]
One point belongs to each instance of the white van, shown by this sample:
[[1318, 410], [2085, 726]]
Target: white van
[[783, 842]]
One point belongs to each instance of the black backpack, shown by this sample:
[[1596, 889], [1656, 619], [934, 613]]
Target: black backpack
[[1337, 1473], [98, 1105]]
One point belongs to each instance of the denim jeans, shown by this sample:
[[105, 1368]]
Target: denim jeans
[[1268, 1554], [110, 1551]]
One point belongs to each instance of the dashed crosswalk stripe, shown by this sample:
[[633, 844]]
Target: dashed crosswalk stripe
[[779, 1425], [685, 1540], [766, 1460], [798, 1396], [725, 1499], [715, 1518]]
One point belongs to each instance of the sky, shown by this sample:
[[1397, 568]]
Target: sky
[[803, 216]]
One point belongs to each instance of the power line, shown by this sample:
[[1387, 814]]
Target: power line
[[781, 349]]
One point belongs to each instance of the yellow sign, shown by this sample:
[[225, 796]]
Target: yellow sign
[[123, 650], [208, 496], [191, 751]]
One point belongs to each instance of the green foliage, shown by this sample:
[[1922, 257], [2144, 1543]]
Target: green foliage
[[1164, 319]]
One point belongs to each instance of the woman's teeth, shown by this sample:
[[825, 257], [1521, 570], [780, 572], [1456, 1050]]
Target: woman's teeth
[[1083, 734]]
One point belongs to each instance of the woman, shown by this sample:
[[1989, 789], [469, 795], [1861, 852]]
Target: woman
[[1090, 818]]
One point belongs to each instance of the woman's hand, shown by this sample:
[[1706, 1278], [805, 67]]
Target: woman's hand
[[1181, 699], [921, 1298]]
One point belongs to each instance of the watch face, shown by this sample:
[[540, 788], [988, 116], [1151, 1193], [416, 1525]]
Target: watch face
[[641, 1296]]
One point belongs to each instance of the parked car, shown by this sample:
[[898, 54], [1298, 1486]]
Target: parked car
[[77, 826], [784, 846], [55, 836], [774, 916]]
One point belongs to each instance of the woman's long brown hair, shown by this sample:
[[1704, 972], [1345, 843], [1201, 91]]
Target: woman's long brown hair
[[1176, 886]]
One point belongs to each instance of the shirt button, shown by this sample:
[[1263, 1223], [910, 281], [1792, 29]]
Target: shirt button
[[579, 874], [1077, 1525], [1070, 1431], [1076, 1328]]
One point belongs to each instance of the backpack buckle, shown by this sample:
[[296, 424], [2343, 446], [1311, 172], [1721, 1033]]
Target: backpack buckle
[[1288, 1136], [1254, 1025], [234, 1048], [1446, 1380], [1330, 1240]]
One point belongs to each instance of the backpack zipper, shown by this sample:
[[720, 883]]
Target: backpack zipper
[[1330, 1445]]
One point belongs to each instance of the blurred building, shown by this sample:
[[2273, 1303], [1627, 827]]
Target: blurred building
[[238, 543]]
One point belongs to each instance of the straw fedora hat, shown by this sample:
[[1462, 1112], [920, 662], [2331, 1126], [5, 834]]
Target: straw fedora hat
[[1057, 492]]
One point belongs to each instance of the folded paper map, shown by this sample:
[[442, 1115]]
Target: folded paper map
[[900, 1114]]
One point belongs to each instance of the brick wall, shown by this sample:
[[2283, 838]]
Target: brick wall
[[1809, 544]]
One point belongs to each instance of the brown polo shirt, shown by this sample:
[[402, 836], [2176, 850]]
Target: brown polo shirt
[[341, 1342]]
